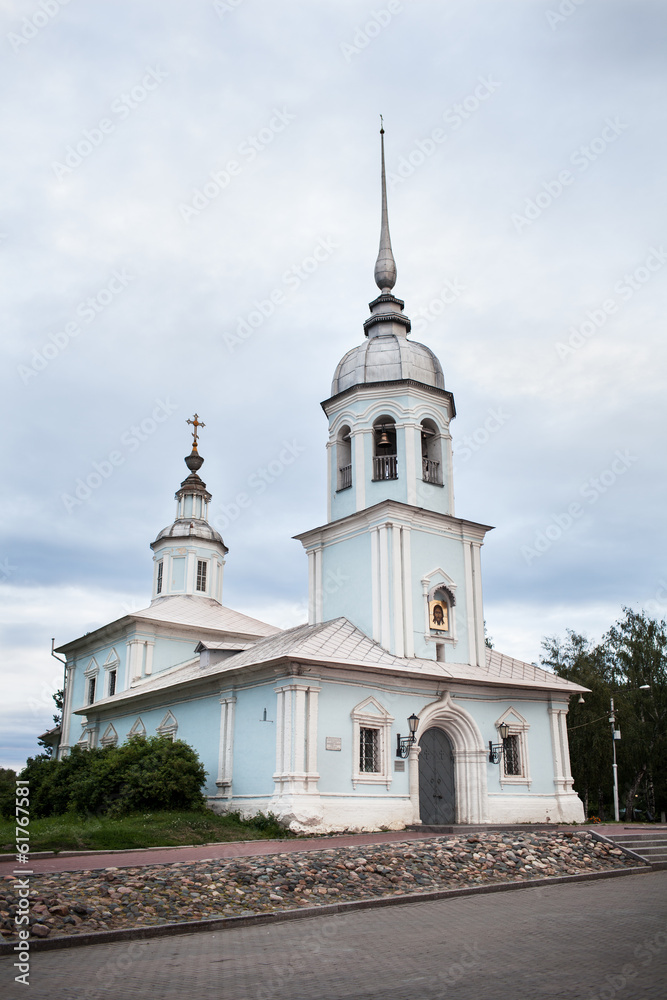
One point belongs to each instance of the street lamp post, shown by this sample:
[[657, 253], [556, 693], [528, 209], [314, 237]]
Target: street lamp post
[[615, 735]]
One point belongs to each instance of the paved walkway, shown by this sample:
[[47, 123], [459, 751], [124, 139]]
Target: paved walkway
[[589, 940], [236, 849]]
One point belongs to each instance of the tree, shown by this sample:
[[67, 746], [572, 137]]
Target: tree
[[637, 650], [577, 660], [630, 666], [58, 698]]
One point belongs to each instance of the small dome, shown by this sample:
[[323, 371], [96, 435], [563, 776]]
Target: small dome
[[191, 527], [388, 358]]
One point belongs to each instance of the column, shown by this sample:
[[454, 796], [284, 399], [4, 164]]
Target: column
[[397, 590], [479, 608], [413, 780], [470, 604], [385, 615]]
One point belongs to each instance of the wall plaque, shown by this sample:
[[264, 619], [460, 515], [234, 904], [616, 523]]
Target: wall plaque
[[333, 743], [399, 765]]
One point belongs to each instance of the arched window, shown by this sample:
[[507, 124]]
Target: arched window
[[344, 458], [385, 459], [431, 453]]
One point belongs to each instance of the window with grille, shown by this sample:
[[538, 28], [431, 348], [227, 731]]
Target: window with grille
[[158, 589], [369, 750], [91, 690], [511, 755], [112, 682], [201, 575]]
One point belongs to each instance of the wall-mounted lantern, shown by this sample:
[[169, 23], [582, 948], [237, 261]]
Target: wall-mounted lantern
[[403, 745], [496, 749]]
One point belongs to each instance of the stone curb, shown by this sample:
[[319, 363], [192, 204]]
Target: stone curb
[[328, 909]]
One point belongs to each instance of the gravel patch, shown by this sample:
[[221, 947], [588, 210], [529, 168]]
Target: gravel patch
[[69, 903]]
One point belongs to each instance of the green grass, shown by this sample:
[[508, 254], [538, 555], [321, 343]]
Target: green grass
[[141, 829]]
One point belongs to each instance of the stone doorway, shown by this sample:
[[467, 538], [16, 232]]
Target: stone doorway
[[437, 783]]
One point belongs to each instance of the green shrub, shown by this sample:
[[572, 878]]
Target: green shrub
[[144, 773], [7, 792]]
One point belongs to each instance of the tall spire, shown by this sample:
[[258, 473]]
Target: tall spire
[[385, 265]]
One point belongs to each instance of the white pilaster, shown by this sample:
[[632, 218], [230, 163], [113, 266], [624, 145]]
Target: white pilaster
[[375, 583], [470, 604], [385, 614], [408, 617], [397, 590], [359, 453], [479, 608], [226, 750], [332, 475], [410, 436]]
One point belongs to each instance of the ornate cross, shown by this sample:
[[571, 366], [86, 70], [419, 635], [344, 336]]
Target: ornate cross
[[196, 423]]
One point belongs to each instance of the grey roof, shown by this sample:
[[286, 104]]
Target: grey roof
[[204, 612], [388, 357], [340, 643]]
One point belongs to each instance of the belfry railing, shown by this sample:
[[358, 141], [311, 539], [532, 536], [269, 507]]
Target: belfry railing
[[431, 471], [344, 477], [385, 467]]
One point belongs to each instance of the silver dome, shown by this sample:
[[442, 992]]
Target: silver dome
[[388, 357], [191, 527]]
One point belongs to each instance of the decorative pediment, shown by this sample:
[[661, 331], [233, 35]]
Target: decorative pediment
[[93, 668], [109, 737], [138, 729], [371, 708], [168, 726], [112, 659], [514, 720], [437, 577]]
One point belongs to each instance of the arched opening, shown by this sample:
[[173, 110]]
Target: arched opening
[[441, 611], [344, 458], [385, 459], [437, 778], [431, 453]]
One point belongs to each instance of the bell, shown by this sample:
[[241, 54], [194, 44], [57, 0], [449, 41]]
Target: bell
[[383, 440]]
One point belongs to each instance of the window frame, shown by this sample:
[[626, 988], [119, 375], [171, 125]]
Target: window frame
[[370, 714], [519, 728]]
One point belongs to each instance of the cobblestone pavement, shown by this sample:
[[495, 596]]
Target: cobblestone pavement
[[590, 940]]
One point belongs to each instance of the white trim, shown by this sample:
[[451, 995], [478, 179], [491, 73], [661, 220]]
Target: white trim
[[397, 588], [359, 481], [138, 728], [408, 611], [226, 745], [168, 726], [109, 736], [385, 619], [375, 583], [381, 720], [409, 432], [518, 726]]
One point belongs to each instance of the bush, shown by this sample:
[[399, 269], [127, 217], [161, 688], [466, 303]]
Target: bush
[[144, 773], [7, 792]]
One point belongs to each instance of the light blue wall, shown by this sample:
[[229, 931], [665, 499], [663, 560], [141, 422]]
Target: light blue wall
[[336, 766], [346, 579], [255, 741], [538, 738], [428, 553]]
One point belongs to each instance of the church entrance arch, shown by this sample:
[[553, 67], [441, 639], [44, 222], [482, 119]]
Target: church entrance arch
[[437, 779]]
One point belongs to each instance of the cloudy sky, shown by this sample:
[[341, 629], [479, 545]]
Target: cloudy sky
[[168, 167]]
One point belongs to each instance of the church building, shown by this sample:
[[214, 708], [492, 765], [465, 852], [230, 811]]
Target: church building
[[387, 708]]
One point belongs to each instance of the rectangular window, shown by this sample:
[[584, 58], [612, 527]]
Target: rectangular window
[[160, 567], [112, 683], [511, 755], [91, 690], [201, 575], [369, 750]]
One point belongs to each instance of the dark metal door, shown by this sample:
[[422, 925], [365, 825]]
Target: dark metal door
[[437, 789]]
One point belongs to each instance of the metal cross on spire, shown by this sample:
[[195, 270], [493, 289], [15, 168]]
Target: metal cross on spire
[[196, 423]]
